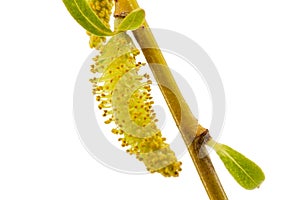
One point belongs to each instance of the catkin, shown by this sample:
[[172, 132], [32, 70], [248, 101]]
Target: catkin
[[124, 97], [102, 8]]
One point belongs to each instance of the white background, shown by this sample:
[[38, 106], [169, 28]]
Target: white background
[[255, 46]]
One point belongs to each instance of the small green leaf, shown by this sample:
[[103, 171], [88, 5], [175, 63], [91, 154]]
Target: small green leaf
[[132, 21], [84, 15], [245, 172]]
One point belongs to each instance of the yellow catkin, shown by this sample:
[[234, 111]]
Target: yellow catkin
[[102, 9], [124, 97]]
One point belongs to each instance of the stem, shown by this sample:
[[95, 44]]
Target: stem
[[193, 133]]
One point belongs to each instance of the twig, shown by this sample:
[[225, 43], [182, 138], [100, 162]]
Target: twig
[[193, 133]]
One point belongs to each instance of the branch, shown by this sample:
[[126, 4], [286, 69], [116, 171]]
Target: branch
[[193, 134]]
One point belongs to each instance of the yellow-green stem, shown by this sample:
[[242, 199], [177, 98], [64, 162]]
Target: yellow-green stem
[[192, 132]]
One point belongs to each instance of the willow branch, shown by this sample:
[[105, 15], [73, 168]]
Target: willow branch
[[192, 133]]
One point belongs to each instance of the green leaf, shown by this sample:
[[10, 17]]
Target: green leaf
[[245, 172], [132, 21], [84, 15]]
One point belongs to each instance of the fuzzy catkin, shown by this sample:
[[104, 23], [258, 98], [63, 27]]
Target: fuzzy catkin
[[125, 99], [103, 9]]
